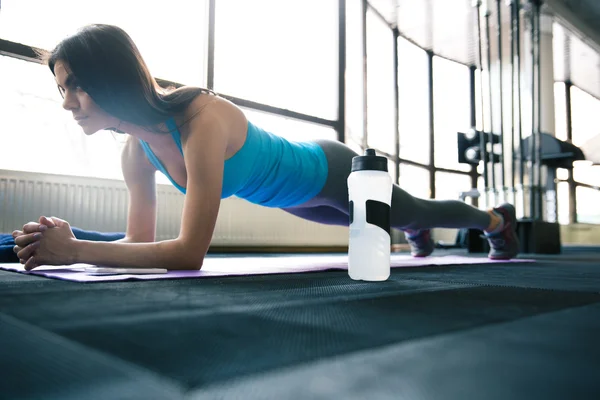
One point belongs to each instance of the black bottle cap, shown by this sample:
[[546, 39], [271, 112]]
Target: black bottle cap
[[370, 162]]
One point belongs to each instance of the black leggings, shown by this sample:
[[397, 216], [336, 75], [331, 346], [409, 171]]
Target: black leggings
[[330, 206]]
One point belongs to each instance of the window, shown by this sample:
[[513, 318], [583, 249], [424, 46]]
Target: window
[[354, 74], [587, 174], [562, 195], [171, 39], [560, 124], [392, 171], [413, 110], [448, 186], [587, 205], [560, 114], [452, 107], [481, 117], [415, 180], [380, 85], [282, 53], [584, 112], [585, 109], [289, 128], [387, 8], [558, 50], [583, 65]]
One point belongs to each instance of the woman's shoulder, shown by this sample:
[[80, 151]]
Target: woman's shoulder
[[207, 109], [209, 104], [133, 155]]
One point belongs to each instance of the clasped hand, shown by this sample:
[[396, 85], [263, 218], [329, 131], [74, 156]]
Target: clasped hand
[[47, 242]]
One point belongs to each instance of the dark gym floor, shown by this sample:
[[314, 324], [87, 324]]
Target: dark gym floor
[[513, 331]]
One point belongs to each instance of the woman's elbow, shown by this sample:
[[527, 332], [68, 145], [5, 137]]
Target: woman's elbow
[[194, 266], [186, 255], [191, 263]]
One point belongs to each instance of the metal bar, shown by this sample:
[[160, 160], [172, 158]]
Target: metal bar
[[569, 116], [513, 20], [592, 95], [472, 97], [431, 124], [492, 140], [571, 178], [584, 185], [210, 68], [410, 162], [538, 33], [430, 96], [533, 137], [396, 107], [482, 137], [452, 171], [364, 53], [531, 149], [501, 97], [519, 106], [341, 126], [569, 84], [473, 118], [421, 165]]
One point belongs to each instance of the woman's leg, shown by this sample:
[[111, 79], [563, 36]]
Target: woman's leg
[[407, 212], [322, 214]]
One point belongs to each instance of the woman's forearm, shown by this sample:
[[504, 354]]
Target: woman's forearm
[[169, 254], [127, 239]]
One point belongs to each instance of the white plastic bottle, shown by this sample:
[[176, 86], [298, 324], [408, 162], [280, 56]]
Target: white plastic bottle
[[370, 196]]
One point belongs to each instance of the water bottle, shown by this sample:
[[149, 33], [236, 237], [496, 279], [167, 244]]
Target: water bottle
[[370, 196]]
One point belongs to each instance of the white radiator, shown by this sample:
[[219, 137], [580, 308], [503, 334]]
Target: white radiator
[[101, 205]]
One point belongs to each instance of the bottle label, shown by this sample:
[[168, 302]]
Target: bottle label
[[378, 214]]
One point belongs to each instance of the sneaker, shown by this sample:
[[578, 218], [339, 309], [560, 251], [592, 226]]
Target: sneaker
[[504, 244], [421, 244]]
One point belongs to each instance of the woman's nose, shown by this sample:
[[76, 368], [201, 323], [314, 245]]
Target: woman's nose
[[70, 101]]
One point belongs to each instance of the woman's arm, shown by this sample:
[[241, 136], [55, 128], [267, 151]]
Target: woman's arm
[[139, 175], [58, 246], [204, 153], [168, 254]]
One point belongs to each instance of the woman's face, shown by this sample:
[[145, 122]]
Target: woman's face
[[85, 111]]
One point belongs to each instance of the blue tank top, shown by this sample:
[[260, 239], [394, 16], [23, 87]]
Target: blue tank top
[[268, 170]]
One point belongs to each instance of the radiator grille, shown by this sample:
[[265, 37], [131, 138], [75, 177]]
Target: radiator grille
[[101, 205]]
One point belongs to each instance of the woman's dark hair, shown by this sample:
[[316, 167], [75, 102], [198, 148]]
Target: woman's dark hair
[[108, 66]]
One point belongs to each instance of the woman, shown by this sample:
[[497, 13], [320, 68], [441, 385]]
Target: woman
[[209, 151]]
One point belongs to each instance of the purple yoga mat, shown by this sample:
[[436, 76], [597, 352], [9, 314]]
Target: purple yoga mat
[[254, 265]]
